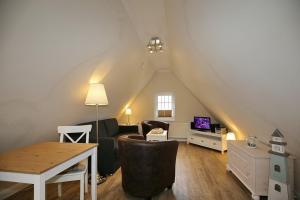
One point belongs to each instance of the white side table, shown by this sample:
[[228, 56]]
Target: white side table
[[157, 137]]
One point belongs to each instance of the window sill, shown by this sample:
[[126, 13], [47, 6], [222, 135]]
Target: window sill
[[166, 119]]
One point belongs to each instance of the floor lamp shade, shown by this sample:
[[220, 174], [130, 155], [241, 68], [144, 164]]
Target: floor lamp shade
[[96, 95]]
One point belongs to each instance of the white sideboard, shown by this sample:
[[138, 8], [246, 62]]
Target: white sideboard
[[250, 166], [211, 140]]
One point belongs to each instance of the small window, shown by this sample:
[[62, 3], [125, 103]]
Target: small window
[[277, 188], [165, 107], [277, 168]]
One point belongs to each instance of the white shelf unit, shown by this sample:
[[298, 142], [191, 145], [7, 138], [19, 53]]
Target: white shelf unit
[[211, 140]]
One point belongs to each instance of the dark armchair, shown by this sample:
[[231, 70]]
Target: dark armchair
[[147, 167], [149, 125]]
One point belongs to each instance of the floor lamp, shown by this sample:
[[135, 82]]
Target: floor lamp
[[97, 97]]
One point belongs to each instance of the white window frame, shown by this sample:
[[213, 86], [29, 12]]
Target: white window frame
[[156, 107]]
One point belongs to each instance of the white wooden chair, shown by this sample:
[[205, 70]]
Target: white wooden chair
[[79, 171]]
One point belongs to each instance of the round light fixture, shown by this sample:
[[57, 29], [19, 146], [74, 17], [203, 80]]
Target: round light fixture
[[155, 45]]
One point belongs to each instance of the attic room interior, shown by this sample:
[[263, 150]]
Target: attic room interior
[[160, 99]]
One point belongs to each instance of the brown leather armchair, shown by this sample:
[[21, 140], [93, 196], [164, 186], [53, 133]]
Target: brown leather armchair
[[149, 125], [147, 167]]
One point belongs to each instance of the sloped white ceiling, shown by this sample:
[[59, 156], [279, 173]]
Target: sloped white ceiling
[[149, 20], [242, 60], [236, 57], [50, 51]]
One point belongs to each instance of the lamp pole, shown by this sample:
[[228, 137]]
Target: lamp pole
[[97, 96], [100, 179], [97, 124]]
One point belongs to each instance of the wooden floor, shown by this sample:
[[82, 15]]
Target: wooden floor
[[200, 174]]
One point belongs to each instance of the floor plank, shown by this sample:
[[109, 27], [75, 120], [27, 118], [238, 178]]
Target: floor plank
[[200, 174]]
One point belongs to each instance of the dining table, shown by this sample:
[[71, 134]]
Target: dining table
[[37, 163]]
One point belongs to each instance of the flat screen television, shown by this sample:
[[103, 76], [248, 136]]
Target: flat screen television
[[202, 123]]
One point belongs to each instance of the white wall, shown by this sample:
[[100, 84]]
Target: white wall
[[241, 58], [50, 51], [186, 105]]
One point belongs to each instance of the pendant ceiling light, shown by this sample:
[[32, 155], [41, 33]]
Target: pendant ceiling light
[[155, 45]]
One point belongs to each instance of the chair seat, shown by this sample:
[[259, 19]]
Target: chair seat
[[78, 168], [70, 174]]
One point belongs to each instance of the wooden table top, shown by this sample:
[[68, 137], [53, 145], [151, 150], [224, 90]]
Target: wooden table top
[[38, 158]]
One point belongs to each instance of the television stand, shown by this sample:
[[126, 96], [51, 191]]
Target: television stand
[[207, 139]]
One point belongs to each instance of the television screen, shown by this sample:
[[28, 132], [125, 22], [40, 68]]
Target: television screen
[[202, 123]]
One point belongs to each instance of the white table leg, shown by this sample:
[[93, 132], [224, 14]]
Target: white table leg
[[82, 187], [93, 179], [39, 189]]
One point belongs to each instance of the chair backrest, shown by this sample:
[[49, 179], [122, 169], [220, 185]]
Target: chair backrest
[[147, 167], [150, 124], [65, 131]]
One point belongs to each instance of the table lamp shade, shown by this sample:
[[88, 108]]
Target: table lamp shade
[[96, 95], [230, 136], [128, 111]]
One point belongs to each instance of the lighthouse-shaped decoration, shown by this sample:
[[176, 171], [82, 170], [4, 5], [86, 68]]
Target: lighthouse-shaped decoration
[[280, 181]]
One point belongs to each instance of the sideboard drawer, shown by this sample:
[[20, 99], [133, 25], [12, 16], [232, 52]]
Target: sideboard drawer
[[241, 162], [202, 141], [215, 144], [207, 139]]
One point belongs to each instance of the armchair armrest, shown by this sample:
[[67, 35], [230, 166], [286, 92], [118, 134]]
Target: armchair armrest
[[128, 129], [106, 155]]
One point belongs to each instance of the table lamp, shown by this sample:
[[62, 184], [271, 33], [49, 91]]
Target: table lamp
[[230, 136], [128, 112], [97, 97]]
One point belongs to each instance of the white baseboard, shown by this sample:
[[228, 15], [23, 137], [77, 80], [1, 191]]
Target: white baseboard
[[12, 189]]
